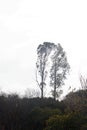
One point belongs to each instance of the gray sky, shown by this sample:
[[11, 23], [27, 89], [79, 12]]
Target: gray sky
[[24, 24]]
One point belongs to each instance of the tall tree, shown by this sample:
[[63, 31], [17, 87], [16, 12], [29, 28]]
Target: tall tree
[[58, 70], [43, 52]]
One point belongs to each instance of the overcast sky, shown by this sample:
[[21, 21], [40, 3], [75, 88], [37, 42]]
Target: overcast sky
[[24, 24]]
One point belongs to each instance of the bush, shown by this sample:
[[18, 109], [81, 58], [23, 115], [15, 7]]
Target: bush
[[70, 121]]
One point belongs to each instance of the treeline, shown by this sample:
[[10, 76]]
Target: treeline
[[44, 114]]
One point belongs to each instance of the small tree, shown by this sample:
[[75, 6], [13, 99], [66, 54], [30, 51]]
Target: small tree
[[58, 70], [83, 82], [43, 52]]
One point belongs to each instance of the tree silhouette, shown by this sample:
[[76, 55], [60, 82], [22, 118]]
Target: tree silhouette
[[43, 52], [58, 70]]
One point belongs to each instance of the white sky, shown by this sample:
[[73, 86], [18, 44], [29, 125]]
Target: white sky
[[24, 24]]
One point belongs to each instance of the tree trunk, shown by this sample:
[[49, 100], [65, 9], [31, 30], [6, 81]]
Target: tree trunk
[[55, 93], [55, 82], [42, 91], [42, 87]]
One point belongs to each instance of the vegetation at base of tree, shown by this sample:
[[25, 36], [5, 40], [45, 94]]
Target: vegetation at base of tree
[[76, 102], [44, 114]]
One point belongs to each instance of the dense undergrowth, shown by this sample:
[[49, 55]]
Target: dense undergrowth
[[44, 114]]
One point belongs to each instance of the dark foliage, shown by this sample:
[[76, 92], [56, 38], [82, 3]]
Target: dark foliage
[[24, 114], [76, 102], [44, 114]]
